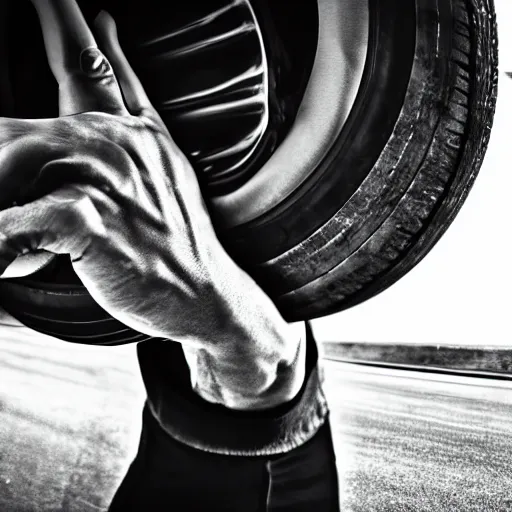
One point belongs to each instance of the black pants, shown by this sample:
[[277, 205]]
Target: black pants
[[167, 475]]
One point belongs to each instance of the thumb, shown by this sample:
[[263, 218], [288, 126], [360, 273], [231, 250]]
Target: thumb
[[63, 222]]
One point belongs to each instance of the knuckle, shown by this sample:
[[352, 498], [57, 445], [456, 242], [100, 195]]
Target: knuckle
[[87, 216], [94, 64], [85, 130], [74, 223], [75, 212], [151, 120], [65, 131]]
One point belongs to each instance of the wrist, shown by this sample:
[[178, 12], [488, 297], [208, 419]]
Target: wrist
[[255, 357], [248, 311]]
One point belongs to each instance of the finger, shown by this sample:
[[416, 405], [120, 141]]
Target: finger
[[85, 77], [63, 222], [23, 152], [27, 264], [133, 91]]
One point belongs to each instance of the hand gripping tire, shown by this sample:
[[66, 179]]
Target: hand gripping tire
[[357, 215]]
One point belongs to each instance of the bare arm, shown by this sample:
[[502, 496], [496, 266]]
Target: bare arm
[[124, 202]]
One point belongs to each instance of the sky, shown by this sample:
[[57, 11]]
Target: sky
[[460, 293]]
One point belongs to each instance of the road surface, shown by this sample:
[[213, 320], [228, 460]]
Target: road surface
[[405, 441]]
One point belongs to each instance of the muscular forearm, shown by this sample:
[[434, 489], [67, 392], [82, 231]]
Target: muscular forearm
[[255, 359], [121, 199]]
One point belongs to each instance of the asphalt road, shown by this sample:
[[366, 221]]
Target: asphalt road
[[69, 421], [409, 441], [405, 441]]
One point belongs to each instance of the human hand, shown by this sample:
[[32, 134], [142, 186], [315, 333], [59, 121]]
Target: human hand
[[116, 194]]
